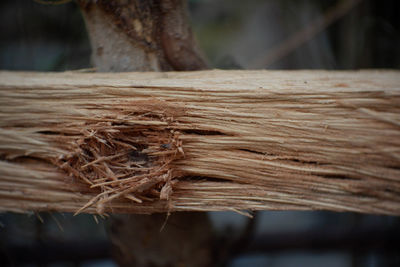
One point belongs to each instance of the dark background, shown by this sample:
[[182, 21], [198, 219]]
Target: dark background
[[233, 34]]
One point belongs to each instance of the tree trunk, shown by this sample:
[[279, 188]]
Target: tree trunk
[[137, 35]]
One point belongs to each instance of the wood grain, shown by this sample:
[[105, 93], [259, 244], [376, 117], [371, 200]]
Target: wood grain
[[241, 140]]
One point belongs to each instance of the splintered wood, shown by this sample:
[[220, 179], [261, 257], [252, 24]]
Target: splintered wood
[[200, 141]]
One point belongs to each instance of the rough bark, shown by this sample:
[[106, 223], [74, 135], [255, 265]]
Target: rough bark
[[137, 35]]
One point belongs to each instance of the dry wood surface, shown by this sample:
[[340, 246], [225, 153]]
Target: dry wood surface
[[200, 141]]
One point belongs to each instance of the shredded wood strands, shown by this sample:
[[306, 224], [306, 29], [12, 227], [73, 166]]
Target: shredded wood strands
[[200, 141], [123, 160], [128, 156]]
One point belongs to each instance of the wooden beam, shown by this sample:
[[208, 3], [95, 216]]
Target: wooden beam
[[200, 141]]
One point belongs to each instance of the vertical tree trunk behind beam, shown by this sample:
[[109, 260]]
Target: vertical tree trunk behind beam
[[141, 35]]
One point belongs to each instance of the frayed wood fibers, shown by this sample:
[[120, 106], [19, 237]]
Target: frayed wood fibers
[[213, 140], [126, 154]]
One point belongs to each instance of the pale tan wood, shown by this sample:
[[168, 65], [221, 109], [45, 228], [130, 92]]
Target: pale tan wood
[[252, 140]]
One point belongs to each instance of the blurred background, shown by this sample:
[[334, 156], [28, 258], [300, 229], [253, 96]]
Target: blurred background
[[253, 34]]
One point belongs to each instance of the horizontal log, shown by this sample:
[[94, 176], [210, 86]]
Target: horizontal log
[[200, 141]]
